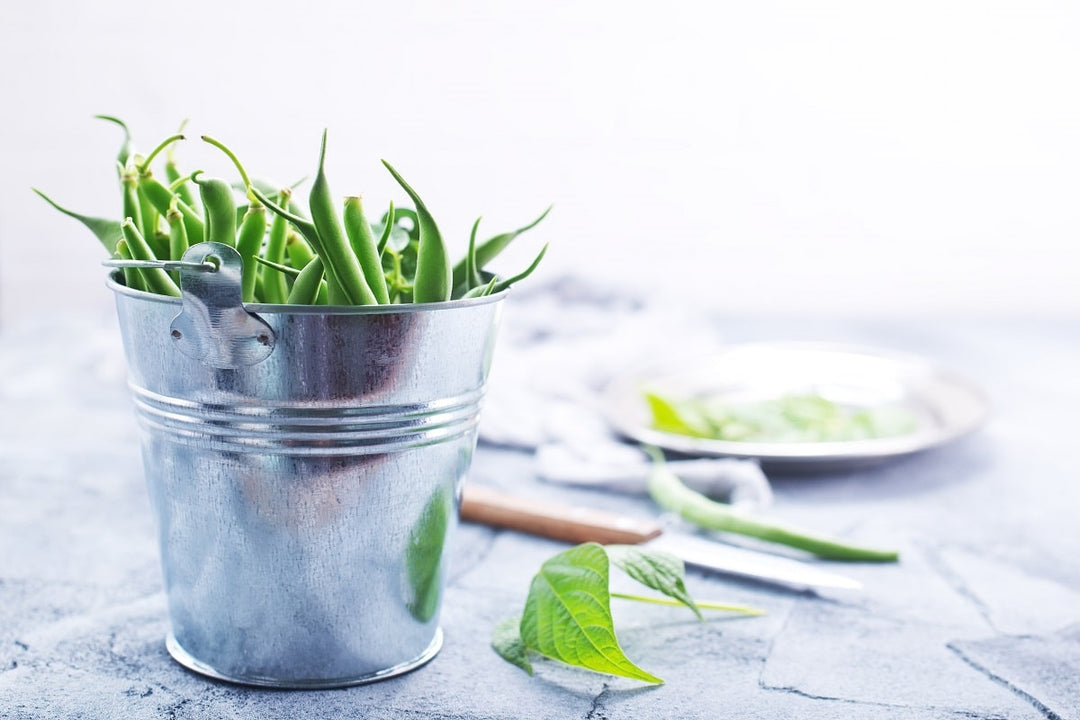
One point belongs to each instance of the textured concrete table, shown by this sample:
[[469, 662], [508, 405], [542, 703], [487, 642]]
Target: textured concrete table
[[980, 620]]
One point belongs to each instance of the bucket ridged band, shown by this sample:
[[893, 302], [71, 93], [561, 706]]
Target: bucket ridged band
[[293, 429], [303, 465]]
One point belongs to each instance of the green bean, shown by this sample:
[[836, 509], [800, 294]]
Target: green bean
[[489, 249], [305, 289], [248, 244], [336, 253], [127, 148], [365, 247], [670, 493], [172, 173], [129, 180], [162, 198], [433, 280], [178, 239], [281, 269], [143, 165], [298, 251], [472, 274], [219, 208], [235, 161], [275, 285], [132, 278], [503, 284], [157, 280], [148, 214], [305, 226], [388, 227], [481, 290], [107, 232]]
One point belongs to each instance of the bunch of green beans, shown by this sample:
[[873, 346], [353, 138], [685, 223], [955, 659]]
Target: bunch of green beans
[[332, 255]]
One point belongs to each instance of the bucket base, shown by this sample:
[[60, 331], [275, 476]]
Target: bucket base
[[182, 656]]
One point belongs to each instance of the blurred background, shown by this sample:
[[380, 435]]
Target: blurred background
[[831, 157]]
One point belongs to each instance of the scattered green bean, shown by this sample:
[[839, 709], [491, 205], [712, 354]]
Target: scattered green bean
[[670, 493]]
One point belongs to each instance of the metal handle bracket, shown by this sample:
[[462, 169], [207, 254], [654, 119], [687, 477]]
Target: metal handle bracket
[[214, 327]]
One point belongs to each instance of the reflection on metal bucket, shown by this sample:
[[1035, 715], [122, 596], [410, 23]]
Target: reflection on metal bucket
[[303, 501]]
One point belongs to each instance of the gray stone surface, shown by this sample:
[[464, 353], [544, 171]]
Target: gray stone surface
[[977, 621]]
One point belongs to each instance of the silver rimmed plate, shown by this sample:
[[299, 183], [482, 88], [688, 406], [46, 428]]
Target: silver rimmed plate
[[944, 405]]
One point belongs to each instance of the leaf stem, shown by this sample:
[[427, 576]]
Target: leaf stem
[[703, 604]]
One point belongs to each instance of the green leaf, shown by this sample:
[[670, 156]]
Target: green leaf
[[567, 615], [674, 418], [423, 556], [656, 569], [107, 231], [506, 640]]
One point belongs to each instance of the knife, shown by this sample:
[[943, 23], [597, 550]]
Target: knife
[[577, 525]]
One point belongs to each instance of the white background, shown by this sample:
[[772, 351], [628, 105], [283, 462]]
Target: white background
[[812, 157]]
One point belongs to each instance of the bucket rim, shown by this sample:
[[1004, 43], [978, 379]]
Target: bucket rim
[[284, 309]]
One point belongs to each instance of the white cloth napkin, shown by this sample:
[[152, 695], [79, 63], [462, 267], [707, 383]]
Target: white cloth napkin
[[560, 346]]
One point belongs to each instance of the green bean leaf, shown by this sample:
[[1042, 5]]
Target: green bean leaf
[[567, 614], [506, 641], [656, 569], [108, 232]]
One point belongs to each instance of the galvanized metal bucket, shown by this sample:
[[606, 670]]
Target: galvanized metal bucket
[[304, 466]]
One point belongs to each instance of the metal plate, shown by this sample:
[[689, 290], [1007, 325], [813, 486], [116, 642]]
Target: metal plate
[[945, 405]]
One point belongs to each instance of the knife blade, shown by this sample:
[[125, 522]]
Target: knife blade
[[577, 525]]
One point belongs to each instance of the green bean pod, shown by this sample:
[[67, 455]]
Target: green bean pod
[[481, 290], [489, 249], [132, 278], [275, 284], [305, 226], [173, 174], [434, 279], [298, 252], [305, 289], [670, 493], [219, 208], [278, 268], [178, 239], [335, 251], [504, 284], [127, 148], [162, 198], [388, 227], [157, 280], [365, 247], [148, 214], [472, 273], [129, 180], [248, 244]]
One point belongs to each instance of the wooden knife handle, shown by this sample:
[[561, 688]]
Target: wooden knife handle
[[558, 522]]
